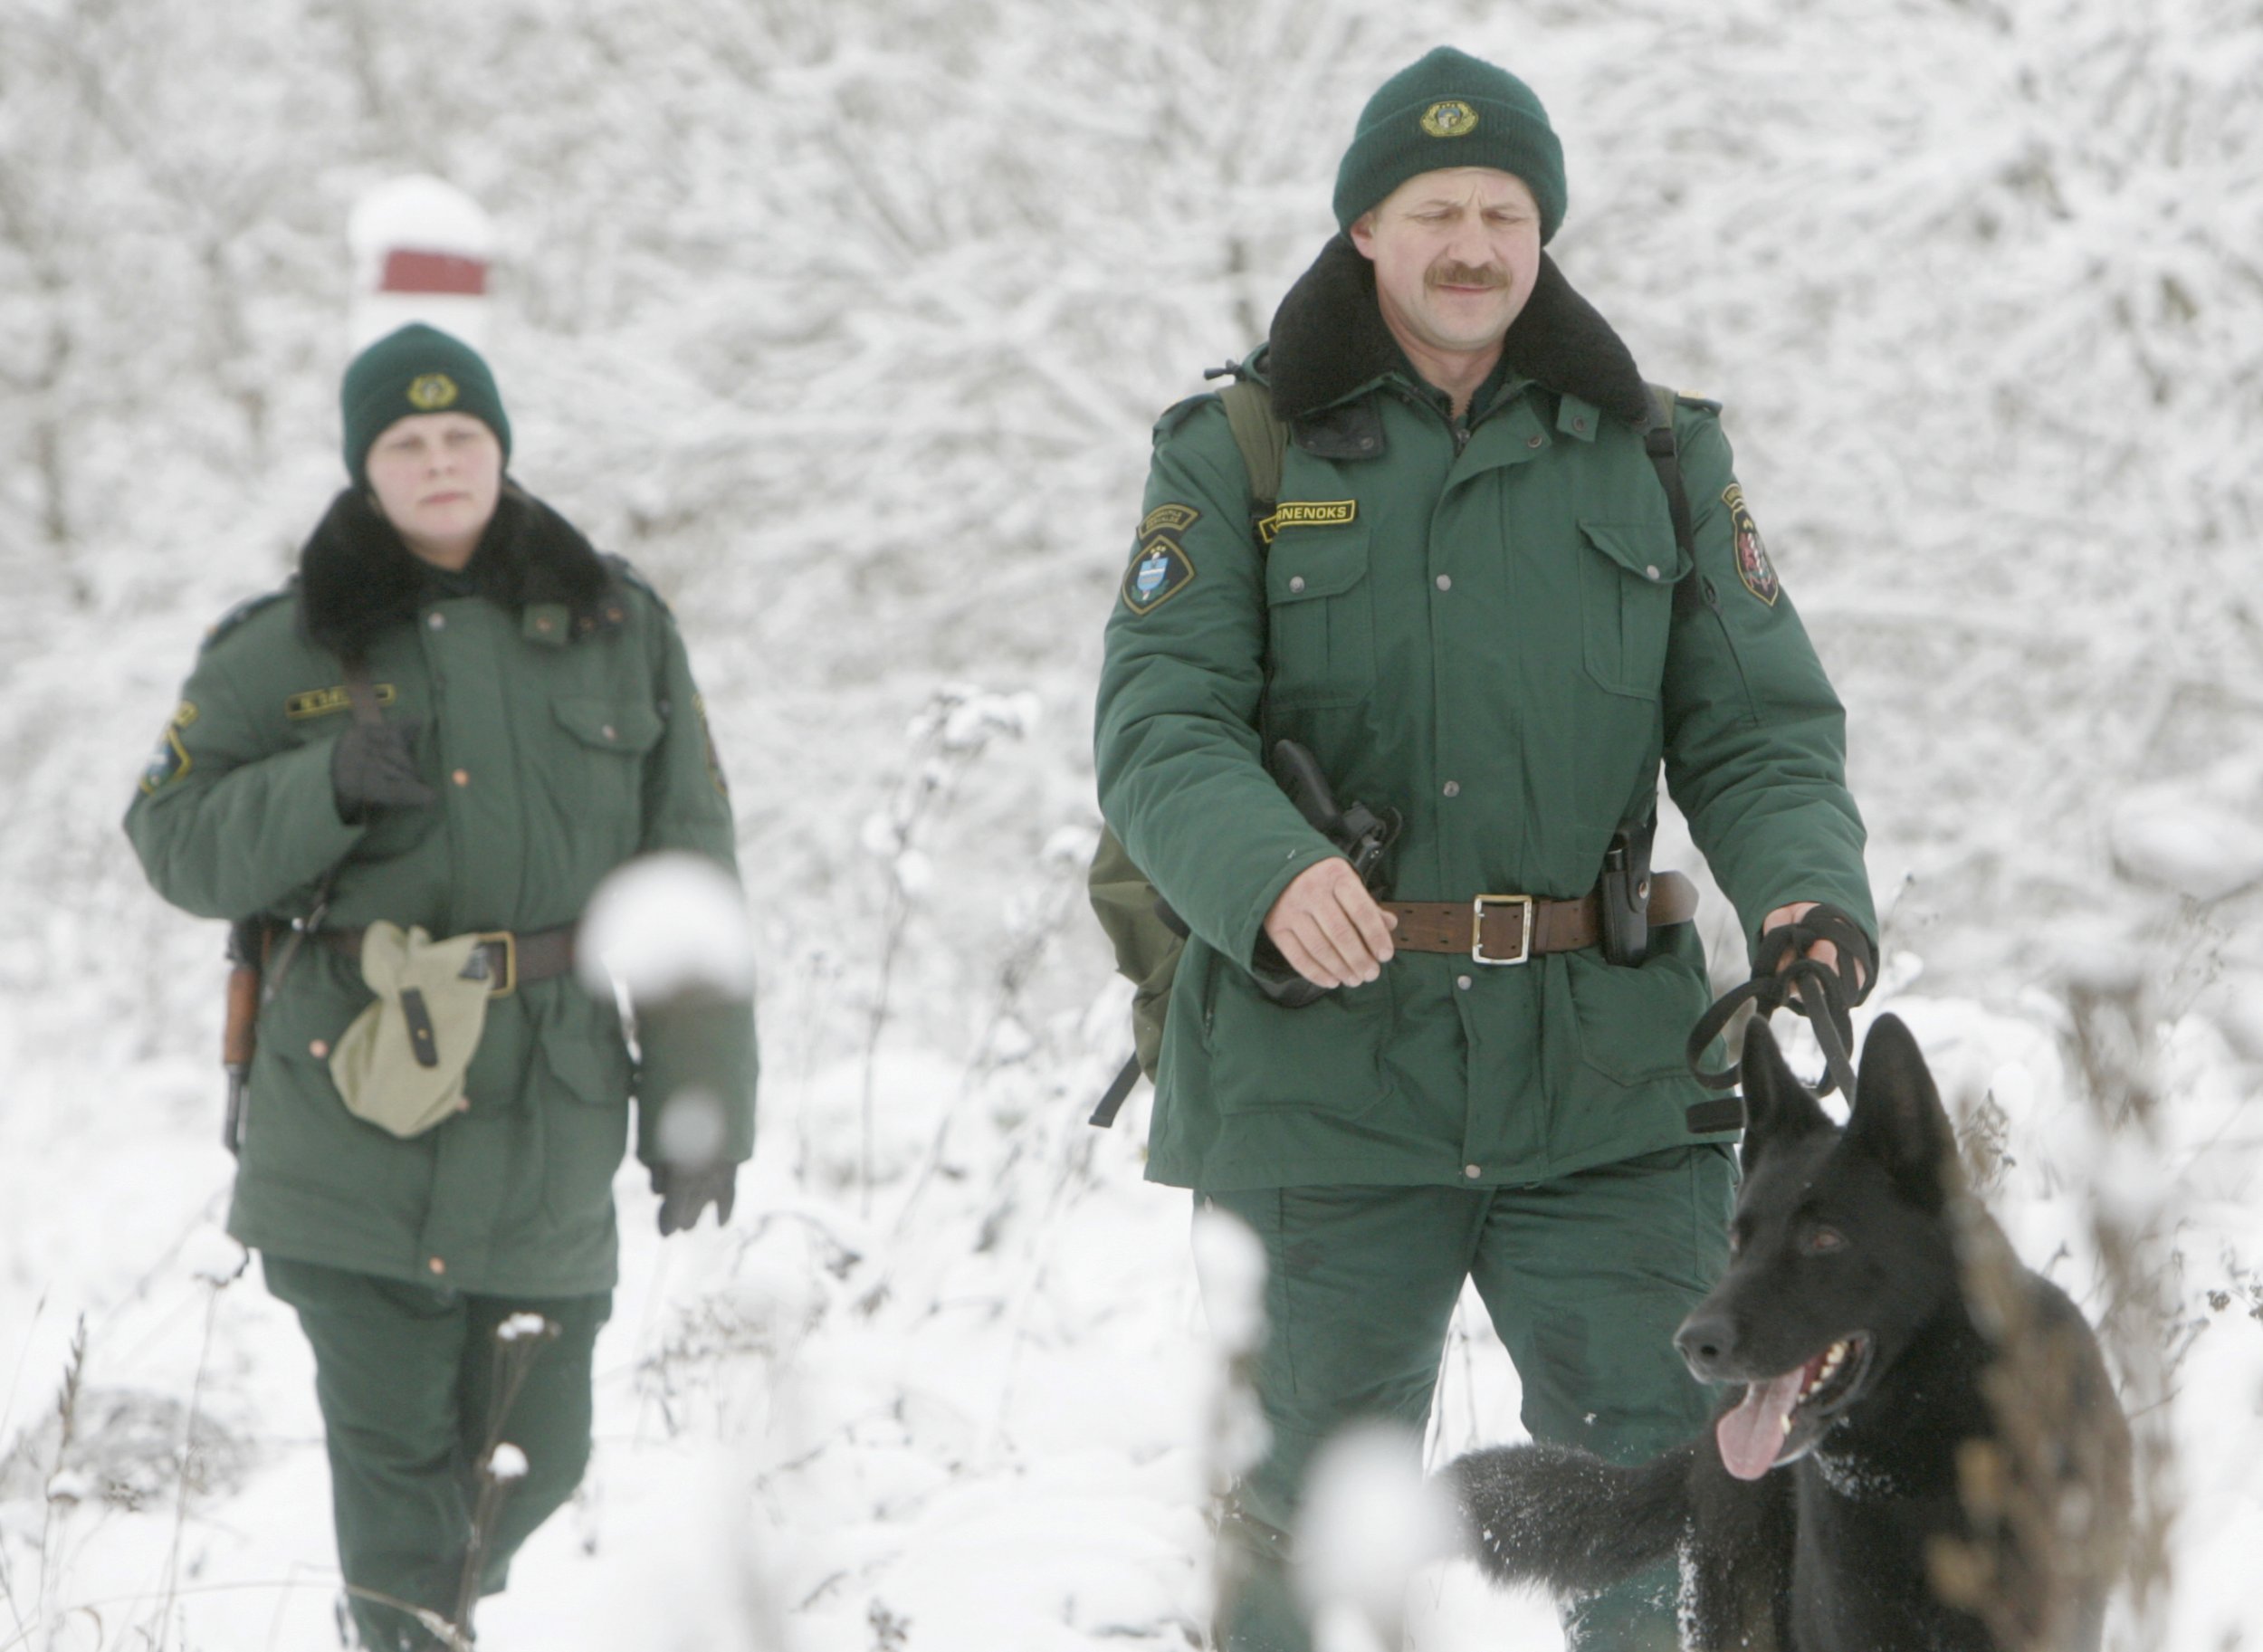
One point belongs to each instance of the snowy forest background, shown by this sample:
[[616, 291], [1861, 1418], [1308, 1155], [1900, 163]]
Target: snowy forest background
[[846, 322]]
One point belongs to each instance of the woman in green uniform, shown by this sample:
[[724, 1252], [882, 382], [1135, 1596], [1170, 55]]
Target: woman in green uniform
[[404, 773]]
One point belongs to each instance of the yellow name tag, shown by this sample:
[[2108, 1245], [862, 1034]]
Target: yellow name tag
[[1308, 514], [321, 701]]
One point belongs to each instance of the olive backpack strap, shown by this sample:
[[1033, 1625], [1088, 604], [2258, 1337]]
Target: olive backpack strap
[[1659, 440], [1147, 946], [1263, 437]]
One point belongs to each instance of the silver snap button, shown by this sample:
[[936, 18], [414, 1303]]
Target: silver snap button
[[1579, 424], [1297, 584], [1463, 982], [1452, 788], [1446, 582], [1473, 1171], [1533, 442], [606, 731], [438, 622], [1652, 571]]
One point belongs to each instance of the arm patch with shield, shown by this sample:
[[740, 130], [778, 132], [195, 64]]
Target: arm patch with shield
[[1161, 567], [1753, 566]]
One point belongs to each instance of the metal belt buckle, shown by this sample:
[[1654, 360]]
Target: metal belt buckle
[[1478, 928], [501, 949]]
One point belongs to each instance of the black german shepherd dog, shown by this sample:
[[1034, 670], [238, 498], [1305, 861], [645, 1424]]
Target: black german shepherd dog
[[1927, 1454]]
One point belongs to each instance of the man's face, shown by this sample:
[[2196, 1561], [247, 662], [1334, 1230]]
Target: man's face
[[1455, 254], [436, 476]]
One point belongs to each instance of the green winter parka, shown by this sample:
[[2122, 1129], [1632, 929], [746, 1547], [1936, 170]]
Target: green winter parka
[[563, 735], [1478, 627]]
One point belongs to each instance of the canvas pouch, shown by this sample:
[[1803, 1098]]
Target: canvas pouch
[[400, 1065]]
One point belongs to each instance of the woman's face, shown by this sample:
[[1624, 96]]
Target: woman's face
[[436, 476]]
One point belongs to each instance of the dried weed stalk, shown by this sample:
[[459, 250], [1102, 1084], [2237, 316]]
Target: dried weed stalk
[[2070, 1491]]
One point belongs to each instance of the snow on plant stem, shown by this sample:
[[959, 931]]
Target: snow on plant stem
[[1370, 1521], [666, 926]]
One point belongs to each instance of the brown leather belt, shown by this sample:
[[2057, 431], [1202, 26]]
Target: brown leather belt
[[509, 959], [1512, 928]]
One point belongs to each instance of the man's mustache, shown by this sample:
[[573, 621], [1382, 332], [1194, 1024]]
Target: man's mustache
[[1465, 275]]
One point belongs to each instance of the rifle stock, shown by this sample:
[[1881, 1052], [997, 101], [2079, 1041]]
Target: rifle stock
[[239, 1035]]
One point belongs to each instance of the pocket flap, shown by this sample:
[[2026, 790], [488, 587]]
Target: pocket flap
[[607, 726], [1302, 565], [1639, 549]]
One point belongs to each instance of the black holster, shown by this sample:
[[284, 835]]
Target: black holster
[[1359, 832], [1623, 893]]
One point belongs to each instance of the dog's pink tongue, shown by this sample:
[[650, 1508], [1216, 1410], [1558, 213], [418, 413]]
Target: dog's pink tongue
[[1751, 1435]]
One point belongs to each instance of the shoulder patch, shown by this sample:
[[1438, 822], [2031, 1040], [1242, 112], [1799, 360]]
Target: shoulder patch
[[1160, 569], [170, 760], [240, 613], [1179, 413], [1753, 566]]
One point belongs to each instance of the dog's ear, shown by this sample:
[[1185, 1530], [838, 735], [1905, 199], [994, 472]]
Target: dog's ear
[[1777, 1105], [1897, 1118]]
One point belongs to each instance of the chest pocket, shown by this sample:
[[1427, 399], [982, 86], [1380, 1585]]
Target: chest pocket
[[1627, 575], [603, 764], [1321, 620]]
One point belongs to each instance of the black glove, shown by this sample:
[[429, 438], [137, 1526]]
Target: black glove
[[372, 768], [1785, 976], [1782, 959], [685, 1190], [1858, 967]]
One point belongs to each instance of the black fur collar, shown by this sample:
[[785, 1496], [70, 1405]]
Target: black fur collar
[[355, 576], [1329, 338]]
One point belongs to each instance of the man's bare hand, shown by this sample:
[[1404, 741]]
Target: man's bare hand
[[1823, 952], [1329, 927]]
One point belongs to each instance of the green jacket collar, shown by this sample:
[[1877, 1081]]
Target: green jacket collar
[[1329, 342], [355, 576]]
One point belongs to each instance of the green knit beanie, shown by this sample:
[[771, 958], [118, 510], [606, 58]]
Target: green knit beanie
[[416, 369], [1451, 109]]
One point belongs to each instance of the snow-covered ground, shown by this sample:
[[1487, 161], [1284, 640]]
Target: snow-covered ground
[[846, 323], [971, 1417]]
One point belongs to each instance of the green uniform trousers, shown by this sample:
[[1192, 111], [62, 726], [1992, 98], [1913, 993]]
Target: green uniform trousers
[[1586, 1277], [405, 1375]]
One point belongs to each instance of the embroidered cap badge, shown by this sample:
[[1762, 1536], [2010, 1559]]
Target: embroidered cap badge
[[1451, 118], [430, 391]]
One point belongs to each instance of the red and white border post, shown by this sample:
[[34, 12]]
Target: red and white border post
[[422, 250]]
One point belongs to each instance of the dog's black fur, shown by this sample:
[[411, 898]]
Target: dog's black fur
[[1957, 1480]]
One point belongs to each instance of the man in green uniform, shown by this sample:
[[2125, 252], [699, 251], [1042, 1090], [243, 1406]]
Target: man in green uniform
[[1470, 602], [452, 724]]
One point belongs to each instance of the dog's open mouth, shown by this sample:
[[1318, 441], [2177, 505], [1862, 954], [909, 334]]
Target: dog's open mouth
[[1778, 1420]]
